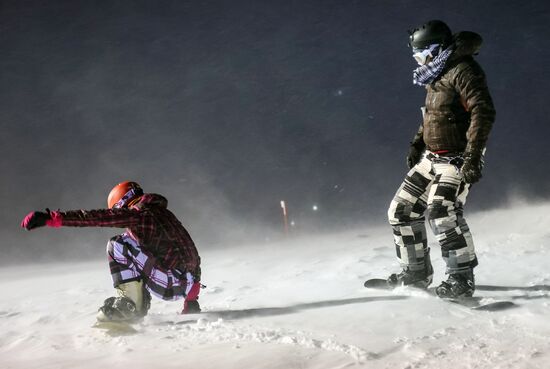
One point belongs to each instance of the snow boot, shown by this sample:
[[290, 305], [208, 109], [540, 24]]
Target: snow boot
[[415, 278], [131, 304], [457, 285]]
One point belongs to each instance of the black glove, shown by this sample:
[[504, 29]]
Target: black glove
[[36, 219], [471, 169], [415, 154]]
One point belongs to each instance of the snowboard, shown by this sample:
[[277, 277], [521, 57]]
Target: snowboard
[[474, 302], [127, 328], [114, 328]]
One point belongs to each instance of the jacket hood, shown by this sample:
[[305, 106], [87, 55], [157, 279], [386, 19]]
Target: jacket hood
[[466, 43], [151, 200]]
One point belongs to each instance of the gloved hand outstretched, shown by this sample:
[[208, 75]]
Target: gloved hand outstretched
[[471, 169], [415, 154], [37, 219]]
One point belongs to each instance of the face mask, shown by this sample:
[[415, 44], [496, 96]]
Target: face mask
[[422, 55]]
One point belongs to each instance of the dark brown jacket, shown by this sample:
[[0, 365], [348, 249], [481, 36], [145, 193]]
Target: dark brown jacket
[[459, 111]]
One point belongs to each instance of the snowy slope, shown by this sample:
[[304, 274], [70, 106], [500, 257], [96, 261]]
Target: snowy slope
[[297, 304]]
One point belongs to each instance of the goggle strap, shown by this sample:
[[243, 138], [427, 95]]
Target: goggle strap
[[128, 195]]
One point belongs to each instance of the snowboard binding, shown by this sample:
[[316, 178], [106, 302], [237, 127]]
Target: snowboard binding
[[458, 285]]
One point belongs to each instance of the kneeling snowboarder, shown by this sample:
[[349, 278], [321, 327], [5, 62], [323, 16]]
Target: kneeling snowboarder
[[155, 255]]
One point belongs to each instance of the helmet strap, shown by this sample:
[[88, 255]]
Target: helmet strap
[[134, 201]]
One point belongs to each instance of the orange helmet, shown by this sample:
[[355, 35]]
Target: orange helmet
[[123, 193]]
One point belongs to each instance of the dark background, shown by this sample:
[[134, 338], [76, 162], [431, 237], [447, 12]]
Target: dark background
[[228, 107]]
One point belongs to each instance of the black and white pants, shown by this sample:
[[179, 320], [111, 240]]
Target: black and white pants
[[434, 185], [128, 261]]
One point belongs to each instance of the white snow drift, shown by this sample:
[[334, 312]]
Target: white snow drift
[[297, 304]]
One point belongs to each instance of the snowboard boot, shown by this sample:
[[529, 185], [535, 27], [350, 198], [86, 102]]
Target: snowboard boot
[[131, 304], [457, 285], [415, 278]]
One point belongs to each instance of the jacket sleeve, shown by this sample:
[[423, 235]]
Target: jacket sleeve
[[118, 218], [471, 84], [418, 139]]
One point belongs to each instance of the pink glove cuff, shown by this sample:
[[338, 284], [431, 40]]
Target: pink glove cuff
[[27, 219], [56, 220]]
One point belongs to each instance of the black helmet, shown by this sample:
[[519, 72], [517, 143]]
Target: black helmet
[[432, 32]]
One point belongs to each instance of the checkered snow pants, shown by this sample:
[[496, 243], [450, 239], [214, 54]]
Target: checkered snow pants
[[434, 184], [128, 262]]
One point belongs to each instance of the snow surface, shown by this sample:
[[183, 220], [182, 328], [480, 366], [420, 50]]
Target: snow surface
[[297, 304]]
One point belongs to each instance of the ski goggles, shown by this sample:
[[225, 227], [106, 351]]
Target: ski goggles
[[127, 196], [421, 55]]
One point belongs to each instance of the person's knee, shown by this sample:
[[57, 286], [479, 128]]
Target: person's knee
[[114, 244], [402, 211], [391, 213], [440, 217]]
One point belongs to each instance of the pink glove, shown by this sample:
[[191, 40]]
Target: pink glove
[[37, 219], [193, 293], [190, 304]]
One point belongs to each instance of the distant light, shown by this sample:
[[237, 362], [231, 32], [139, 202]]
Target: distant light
[[292, 223], [315, 208]]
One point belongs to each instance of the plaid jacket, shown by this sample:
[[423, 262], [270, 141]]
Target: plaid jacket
[[151, 224]]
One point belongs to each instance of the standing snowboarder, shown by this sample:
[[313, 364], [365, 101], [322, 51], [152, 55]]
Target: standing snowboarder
[[445, 158], [154, 255]]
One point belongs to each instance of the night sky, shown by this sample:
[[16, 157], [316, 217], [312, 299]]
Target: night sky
[[228, 107]]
